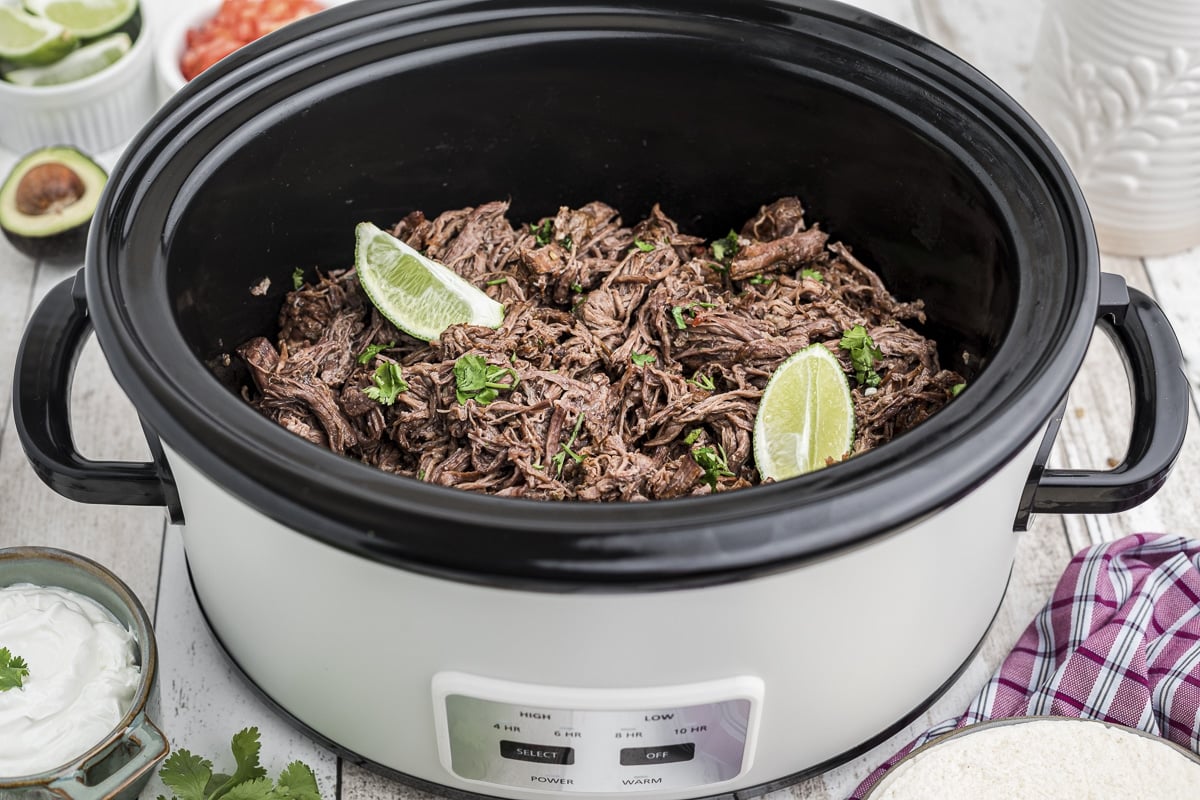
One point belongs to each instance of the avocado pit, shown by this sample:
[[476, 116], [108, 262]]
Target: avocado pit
[[48, 189], [47, 203]]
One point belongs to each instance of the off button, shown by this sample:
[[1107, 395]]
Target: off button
[[666, 754], [537, 753]]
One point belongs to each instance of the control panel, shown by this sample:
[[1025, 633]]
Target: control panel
[[559, 739]]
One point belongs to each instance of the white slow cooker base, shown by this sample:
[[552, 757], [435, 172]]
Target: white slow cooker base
[[463, 794], [847, 645]]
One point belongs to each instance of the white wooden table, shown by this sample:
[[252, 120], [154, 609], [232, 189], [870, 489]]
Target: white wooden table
[[203, 703]]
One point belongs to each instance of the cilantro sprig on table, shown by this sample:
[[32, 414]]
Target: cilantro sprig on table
[[13, 670], [191, 777]]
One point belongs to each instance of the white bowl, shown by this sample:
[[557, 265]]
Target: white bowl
[[94, 114], [171, 44], [173, 41], [1100, 759]]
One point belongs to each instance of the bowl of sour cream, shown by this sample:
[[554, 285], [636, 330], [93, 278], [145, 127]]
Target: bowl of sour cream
[[77, 666]]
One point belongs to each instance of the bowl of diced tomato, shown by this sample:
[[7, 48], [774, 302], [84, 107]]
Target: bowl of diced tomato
[[194, 42]]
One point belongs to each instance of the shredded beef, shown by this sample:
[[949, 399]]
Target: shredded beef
[[634, 346]]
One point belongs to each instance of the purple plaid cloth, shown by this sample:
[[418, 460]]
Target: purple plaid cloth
[[1119, 641]]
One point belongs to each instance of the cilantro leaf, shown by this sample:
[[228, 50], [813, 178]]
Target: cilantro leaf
[[703, 381], [257, 789], [187, 775], [812, 274], [566, 242], [245, 747], [13, 670], [470, 375], [544, 233], [863, 355], [957, 388], [645, 247], [856, 338], [297, 278], [477, 380], [692, 436], [373, 350], [190, 777], [297, 782], [761, 280], [388, 384], [677, 312], [642, 359], [497, 281], [725, 249], [560, 458], [714, 462]]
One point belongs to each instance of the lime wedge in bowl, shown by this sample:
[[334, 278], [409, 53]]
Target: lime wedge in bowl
[[805, 417], [418, 295], [86, 19], [85, 61], [28, 40]]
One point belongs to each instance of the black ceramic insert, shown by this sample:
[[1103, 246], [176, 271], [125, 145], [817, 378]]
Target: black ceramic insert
[[266, 163]]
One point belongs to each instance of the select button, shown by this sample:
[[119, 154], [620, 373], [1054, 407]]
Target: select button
[[537, 753], [666, 754]]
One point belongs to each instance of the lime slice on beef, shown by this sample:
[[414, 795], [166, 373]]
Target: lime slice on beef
[[420, 296], [29, 40], [805, 417], [85, 61], [86, 19]]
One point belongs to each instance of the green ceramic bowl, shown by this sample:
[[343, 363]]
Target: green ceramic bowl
[[117, 767]]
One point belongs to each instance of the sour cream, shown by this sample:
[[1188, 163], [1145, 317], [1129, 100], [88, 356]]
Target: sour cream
[[81, 682]]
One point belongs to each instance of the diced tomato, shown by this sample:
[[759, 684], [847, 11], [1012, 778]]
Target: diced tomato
[[203, 55], [237, 23]]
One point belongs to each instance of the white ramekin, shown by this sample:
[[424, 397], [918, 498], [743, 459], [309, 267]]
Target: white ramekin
[[173, 40], [171, 43], [94, 114]]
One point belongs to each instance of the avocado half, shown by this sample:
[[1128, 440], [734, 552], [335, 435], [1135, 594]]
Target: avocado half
[[47, 202]]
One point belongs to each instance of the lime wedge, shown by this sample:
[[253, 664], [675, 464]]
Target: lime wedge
[[806, 415], [421, 297], [26, 40], [86, 19], [85, 61]]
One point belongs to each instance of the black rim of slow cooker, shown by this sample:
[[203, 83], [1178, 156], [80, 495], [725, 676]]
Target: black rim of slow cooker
[[571, 546]]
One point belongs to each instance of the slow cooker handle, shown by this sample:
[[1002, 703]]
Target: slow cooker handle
[[41, 411], [1161, 399]]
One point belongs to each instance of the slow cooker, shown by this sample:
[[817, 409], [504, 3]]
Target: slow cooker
[[716, 645]]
